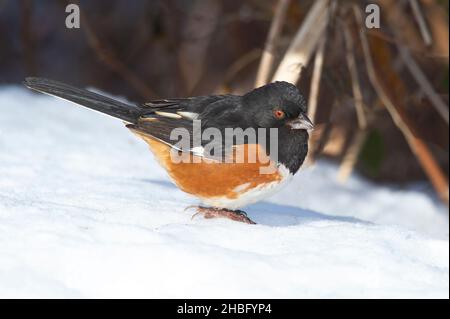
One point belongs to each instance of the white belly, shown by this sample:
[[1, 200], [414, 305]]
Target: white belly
[[252, 195]]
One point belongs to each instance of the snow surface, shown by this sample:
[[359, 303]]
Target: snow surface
[[85, 211]]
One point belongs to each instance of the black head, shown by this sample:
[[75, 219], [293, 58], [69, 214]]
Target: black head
[[281, 105], [278, 104]]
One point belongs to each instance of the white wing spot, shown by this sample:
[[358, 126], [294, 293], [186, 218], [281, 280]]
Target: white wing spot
[[188, 115], [167, 114]]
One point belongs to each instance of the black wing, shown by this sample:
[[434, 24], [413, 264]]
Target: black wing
[[190, 108], [180, 123]]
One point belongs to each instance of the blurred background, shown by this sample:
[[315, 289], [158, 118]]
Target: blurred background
[[379, 96]]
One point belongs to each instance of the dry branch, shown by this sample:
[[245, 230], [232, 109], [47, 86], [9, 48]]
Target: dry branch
[[437, 19], [352, 154], [315, 81], [304, 43], [356, 85], [265, 66], [313, 100], [424, 83], [424, 31]]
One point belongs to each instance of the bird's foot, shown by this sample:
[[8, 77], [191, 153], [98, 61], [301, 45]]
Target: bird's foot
[[212, 212]]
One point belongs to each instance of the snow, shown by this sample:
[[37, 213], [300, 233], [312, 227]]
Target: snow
[[85, 211]]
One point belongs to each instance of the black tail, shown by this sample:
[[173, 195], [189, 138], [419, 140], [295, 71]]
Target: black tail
[[127, 112]]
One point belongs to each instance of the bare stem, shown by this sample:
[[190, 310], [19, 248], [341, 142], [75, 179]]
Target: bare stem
[[265, 66], [304, 43], [424, 83], [352, 154], [356, 86], [425, 32]]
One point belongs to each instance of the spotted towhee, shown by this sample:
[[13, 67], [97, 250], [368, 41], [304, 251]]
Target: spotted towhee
[[221, 172]]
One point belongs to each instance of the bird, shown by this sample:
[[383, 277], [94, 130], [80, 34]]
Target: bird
[[224, 174]]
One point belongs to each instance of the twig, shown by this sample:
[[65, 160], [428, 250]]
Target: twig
[[315, 81], [391, 39], [356, 86], [314, 91], [424, 83], [313, 100], [352, 154], [437, 18], [107, 56], [417, 145], [303, 44], [265, 66], [426, 34]]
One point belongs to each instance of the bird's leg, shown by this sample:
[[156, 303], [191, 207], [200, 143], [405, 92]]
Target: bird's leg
[[213, 212]]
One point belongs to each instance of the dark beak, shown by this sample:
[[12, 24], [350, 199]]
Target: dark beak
[[302, 122]]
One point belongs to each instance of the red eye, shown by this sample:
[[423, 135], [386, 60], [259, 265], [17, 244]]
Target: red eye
[[279, 114]]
